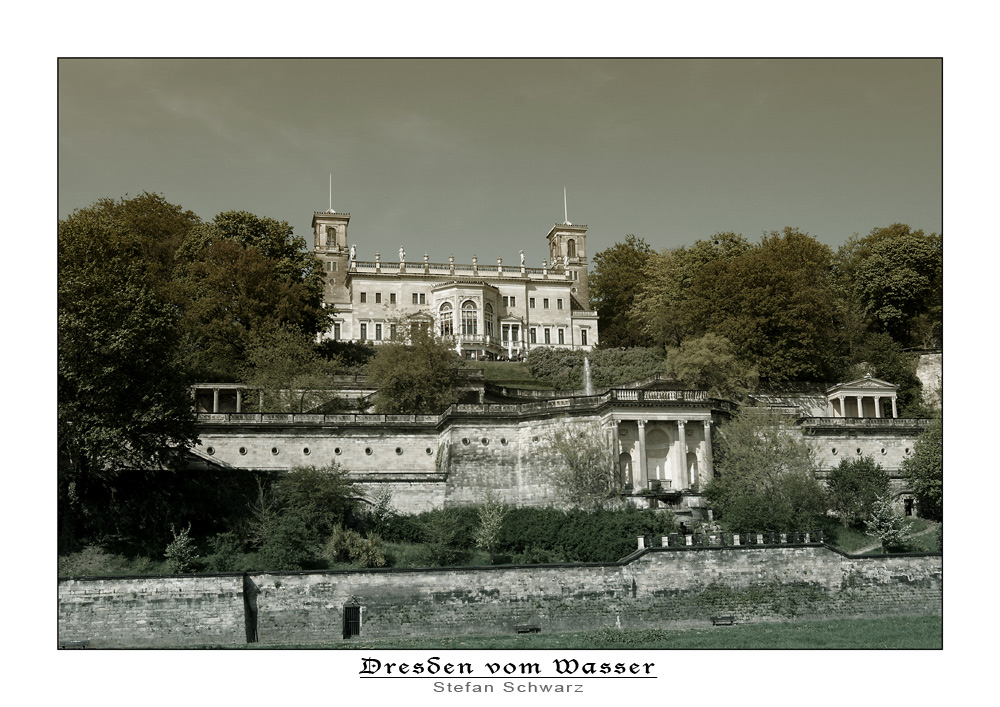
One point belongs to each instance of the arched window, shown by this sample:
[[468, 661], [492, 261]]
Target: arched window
[[445, 319], [571, 248], [469, 318], [488, 316]]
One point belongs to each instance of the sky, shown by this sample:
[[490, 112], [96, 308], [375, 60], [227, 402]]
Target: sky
[[470, 157]]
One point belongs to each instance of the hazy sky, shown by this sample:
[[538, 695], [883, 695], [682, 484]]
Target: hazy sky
[[471, 156]]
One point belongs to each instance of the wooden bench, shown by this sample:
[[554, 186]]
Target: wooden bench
[[527, 628], [723, 620], [73, 644]]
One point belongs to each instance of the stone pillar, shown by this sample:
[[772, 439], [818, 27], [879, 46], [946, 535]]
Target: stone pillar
[[215, 399], [878, 405], [861, 409], [641, 476], [707, 470], [239, 400], [616, 450], [843, 410], [894, 406], [681, 479]]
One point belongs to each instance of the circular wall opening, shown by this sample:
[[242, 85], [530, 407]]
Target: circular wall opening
[[209, 451], [243, 450]]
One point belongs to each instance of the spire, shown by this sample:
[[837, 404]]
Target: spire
[[331, 211], [565, 210]]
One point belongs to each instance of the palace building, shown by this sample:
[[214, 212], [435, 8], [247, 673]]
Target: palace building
[[490, 310]]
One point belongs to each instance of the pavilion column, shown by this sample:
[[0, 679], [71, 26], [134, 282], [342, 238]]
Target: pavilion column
[[215, 399], [894, 407], [707, 469], [642, 453], [239, 400], [878, 406], [616, 450], [861, 410], [681, 475], [843, 402]]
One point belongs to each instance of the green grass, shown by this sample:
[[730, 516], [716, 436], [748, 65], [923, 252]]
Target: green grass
[[510, 374], [905, 632]]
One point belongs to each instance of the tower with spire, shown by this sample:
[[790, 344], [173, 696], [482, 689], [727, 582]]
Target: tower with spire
[[568, 253]]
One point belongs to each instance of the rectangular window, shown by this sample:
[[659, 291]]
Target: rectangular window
[[352, 621], [562, 337], [531, 303], [364, 297], [533, 336], [504, 333], [392, 298], [514, 332], [423, 300], [336, 331], [364, 332], [513, 302], [333, 266], [583, 337], [559, 303], [392, 332], [505, 301], [414, 298], [548, 337], [378, 298], [378, 332], [545, 303]]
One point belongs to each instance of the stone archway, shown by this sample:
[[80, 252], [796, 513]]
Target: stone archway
[[691, 480], [657, 456], [625, 467]]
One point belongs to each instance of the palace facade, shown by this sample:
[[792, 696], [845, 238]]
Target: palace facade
[[490, 310]]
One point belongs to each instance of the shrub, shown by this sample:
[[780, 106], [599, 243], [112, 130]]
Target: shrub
[[289, 546], [853, 488], [180, 553]]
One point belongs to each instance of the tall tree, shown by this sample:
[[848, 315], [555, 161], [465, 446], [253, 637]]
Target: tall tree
[[661, 308], [924, 471], [774, 303], [586, 472], [895, 280], [854, 486], [764, 475], [242, 276], [122, 395], [618, 273], [284, 366]]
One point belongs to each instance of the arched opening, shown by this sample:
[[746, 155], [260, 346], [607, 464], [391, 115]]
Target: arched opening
[[657, 454], [469, 327], [692, 470], [571, 248], [625, 466], [488, 318], [445, 319]]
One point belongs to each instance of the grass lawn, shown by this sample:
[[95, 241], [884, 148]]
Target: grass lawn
[[904, 632]]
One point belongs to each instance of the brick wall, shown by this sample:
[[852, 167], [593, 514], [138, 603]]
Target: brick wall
[[658, 587]]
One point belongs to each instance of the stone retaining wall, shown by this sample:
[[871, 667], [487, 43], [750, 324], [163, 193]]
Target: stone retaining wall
[[655, 587]]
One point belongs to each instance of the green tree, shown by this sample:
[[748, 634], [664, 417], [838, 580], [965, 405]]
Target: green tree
[[242, 276], [710, 362], [896, 279], [924, 471], [284, 366], [883, 357], [323, 498], [122, 399], [585, 470], [617, 275], [764, 475], [885, 524], [774, 303], [853, 487], [661, 308], [418, 376]]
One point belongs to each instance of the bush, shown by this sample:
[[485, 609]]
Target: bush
[[853, 488], [180, 553], [348, 546], [322, 497], [289, 546]]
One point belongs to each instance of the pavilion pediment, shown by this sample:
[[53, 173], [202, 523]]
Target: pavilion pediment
[[867, 384]]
